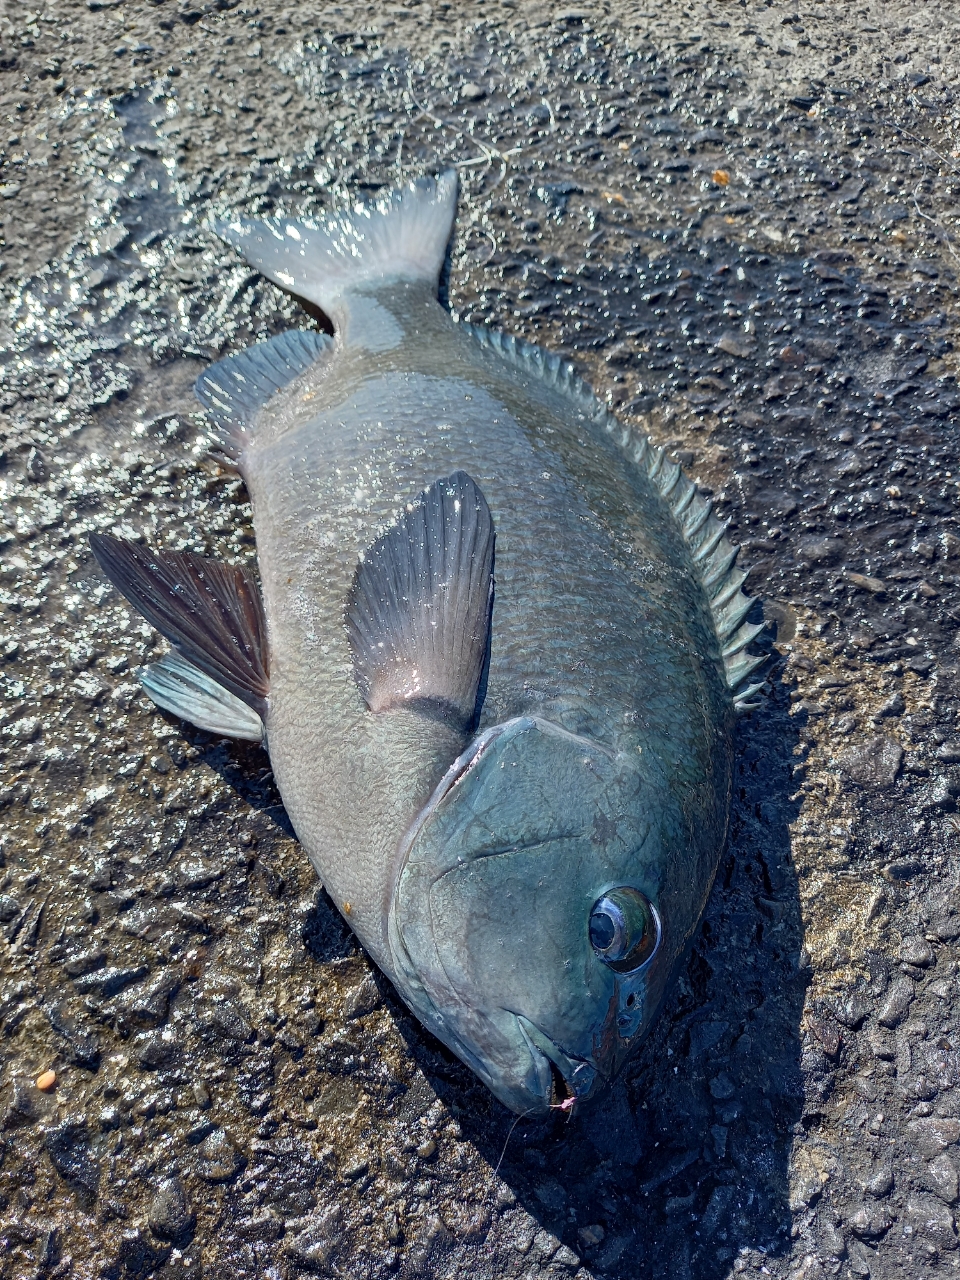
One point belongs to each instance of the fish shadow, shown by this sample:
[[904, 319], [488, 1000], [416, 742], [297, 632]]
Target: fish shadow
[[277, 858], [683, 1164]]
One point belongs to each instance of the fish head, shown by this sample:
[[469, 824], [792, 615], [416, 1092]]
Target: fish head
[[526, 928]]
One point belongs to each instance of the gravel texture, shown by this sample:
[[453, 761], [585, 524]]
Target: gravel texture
[[741, 222]]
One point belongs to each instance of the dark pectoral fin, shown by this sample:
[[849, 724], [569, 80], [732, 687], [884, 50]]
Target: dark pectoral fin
[[210, 612], [419, 611]]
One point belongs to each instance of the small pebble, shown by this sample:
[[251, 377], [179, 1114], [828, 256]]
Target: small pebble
[[170, 1215], [591, 1235], [875, 762], [46, 1080], [721, 177], [894, 706], [36, 468], [866, 583]]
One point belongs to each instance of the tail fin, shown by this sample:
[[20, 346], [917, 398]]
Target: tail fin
[[402, 237]]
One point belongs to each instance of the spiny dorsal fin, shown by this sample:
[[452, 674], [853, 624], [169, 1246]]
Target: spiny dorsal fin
[[210, 612], [184, 690], [713, 555], [235, 389], [418, 613]]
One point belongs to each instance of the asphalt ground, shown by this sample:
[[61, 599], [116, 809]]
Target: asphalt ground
[[741, 223]]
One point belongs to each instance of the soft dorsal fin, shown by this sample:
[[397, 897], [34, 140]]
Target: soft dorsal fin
[[714, 557], [235, 389], [418, 614], [210, 612], [183, 689]]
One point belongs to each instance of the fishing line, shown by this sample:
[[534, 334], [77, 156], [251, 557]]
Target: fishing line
[[508, 1137]]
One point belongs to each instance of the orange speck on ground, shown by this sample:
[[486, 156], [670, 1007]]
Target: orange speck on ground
[[721, 177], [46, 1080]]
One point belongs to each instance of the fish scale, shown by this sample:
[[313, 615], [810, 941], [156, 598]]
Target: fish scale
[[505, 641]]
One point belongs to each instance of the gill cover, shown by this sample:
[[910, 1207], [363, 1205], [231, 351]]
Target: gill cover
[[490, 921]]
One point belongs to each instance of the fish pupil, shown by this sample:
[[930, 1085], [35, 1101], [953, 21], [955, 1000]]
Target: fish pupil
[[603, 930]]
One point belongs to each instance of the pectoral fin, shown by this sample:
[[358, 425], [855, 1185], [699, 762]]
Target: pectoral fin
[[418, 614], [181, 688], [210, 612]]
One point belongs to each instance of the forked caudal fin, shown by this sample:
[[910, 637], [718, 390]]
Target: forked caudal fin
[[403, 237]]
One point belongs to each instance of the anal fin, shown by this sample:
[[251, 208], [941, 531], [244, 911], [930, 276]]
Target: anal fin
[[210, 612], [235, 389], [182, 689], [418, 614]]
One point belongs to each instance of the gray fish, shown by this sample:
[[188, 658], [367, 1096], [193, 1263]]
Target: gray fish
[[495, 652]]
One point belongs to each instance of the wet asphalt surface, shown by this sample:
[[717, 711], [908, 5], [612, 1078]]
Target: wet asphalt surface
[[741, 225]]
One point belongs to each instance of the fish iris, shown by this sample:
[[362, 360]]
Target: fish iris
[[624, 929]]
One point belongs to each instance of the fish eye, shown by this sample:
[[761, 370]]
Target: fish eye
[[624, 929]]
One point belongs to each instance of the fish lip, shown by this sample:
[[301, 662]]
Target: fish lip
[[579, 1077]]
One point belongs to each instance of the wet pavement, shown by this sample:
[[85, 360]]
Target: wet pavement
[[742, 224]]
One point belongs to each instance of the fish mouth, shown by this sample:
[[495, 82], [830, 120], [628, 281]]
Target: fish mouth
[[564, 1081]]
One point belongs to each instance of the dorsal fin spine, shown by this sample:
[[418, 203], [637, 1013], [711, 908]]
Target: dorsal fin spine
[[700, 519], [684, 504], [732, 589], [729, 616], [641, 448], [713, 556], [739, 667], [715, 535], [668, 478], [749, 631], [720, 565]]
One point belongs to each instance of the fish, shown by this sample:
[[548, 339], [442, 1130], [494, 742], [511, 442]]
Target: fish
[[495, 646]]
